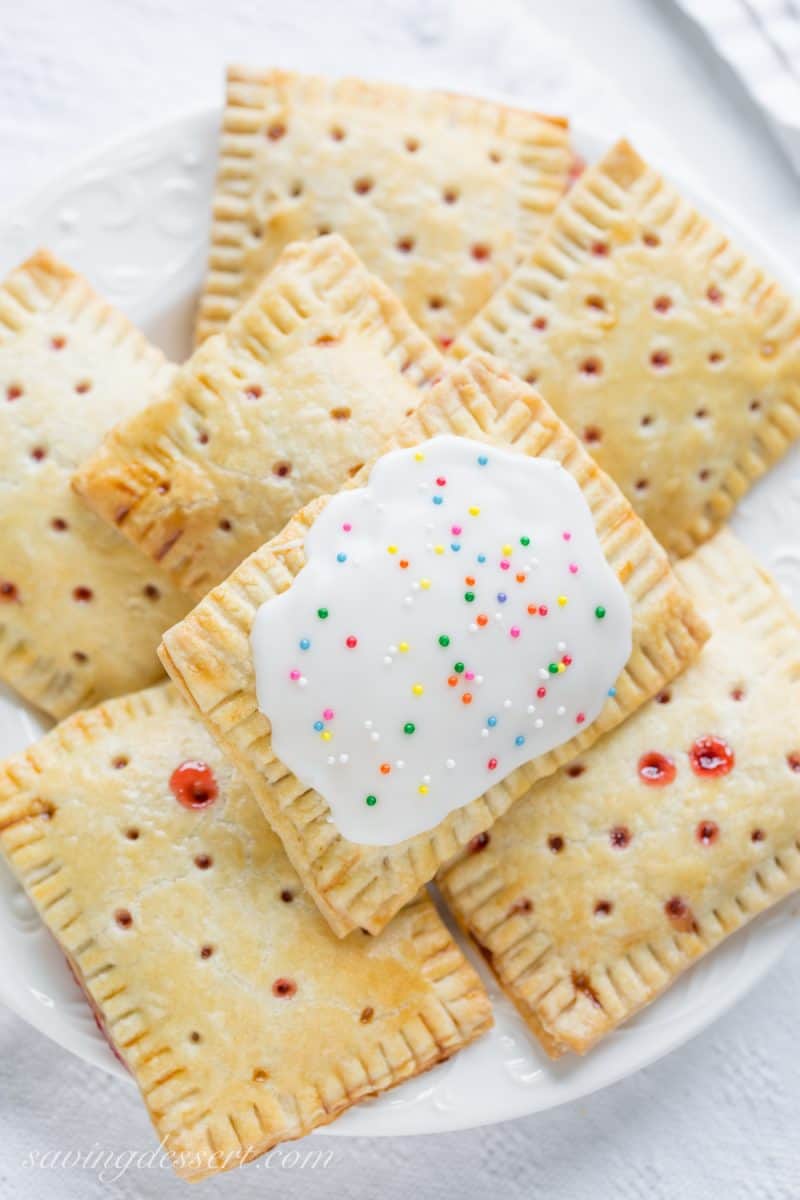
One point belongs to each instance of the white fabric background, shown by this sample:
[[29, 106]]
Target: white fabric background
[[718, 1116]]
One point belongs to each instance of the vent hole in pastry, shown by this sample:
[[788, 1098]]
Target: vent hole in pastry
[[701, 414], [194, 1036], [660, 359], [276, 131], [495, 156], [255, 231], [531, 377], [225, 525], [704, 474], [13, 392], [296, 189], [282, 469], [596, 302], [287, 896], [151, 592], [581, 983], [58, 342], [367, 1014], [620, 837], [600, 249], [710, 756], [206, 951], [436, 302], [132, 834], [202, 437], [38, 453], [523, 905], [450, 195], [480, 251], [539, 323], [203, 862], [123, 918], [362, 186], [714, 295], [755, 405], [405, 245], [412, 145], [253, 391], [592, 435], [283, 988], [79, 657], [337, 133], [82, 595], [356, 467], [793, 761], [445, 342], [326, 339], [768, 349], [479, 842], [646, 421], [575, 770], [662, 304], [342, 413], [591, 366], [716, 357], [680, 914], [603, 908], [641, 485], [555, 843], [664, 697], [163, 488], [120, 762], [651, 239], [758, 835], [655, 769], [737, 693], [83, 386], [260, 1075], [707, 833], [58, 524]]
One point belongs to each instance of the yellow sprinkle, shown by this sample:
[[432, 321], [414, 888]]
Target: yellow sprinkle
[[423, 789], [402, 647], [439, 549], [508, 550], [562, 600], [561, 668], [419, 457], [425, 584], [326, 735], [418, 689], [473, 512], [392, 549]]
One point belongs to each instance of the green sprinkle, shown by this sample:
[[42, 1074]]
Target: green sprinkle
[[553, 668], [372, 800], [409, 727], [469, 597], [322, 613], [524, 541], [459, 667], [600, 612], [444, 640]]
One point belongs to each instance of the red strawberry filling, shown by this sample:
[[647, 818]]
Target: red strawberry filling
[[710, 756], [193, 784]]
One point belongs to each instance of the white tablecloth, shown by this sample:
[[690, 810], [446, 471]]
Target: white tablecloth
[[718, 1115]]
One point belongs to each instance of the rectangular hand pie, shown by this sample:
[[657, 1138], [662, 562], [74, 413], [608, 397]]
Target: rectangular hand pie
[[437, 193], [308, 380], [81, 611], [243, 1020], [210, 654], [610, 878], [673, 356]]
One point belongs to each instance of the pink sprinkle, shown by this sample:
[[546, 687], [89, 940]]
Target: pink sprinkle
[[469, 675], [514, 631], [455, 529], [328, 714], [441, 481], [581, 717], [504, 564], [566, 536], [542, 610], [347, 527], [492, 763], [351, 642], [295, 674], [541, 692], [573, 568]]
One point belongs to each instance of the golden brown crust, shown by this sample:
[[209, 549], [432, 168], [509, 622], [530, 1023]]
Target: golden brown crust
[[665, 348], [80, 610], [439, 194], [597, 891], [305, 384], [209, 657], [227, 1064]]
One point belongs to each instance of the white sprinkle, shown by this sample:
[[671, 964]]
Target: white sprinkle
[[473, 628], [426, 778], [560, 710], [507, 703], [562, 646], [538, 723], [531, 709], [450, 763], [302, 681], [374, 736], [409, 600], [484, 733], [415, 586], [498, 616], [368, 724], [479, 679], [543, 674], [399, 764], [393, 649], [344, 759], [429, 545], [331, 760], [534, 562], [388, 660], [423, 487]]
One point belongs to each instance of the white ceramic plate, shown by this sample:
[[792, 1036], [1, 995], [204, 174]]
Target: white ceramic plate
[[134, 218]]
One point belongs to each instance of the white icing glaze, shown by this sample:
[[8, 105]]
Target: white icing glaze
[[341, 690]]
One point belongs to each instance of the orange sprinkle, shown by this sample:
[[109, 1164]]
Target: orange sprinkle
[[482, 619], [403, 563], [532, 609], [469, 581], [452, 680], [521, 579], [466, 698], [385, 768]]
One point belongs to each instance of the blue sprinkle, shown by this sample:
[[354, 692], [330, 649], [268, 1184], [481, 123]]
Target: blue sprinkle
[[502, 597], [481, 558], [438, 499], [304, 643], [492, 722], [482, 460], [519, 740], [612, 691], [318, 725], [455, 546], [340, 557]]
